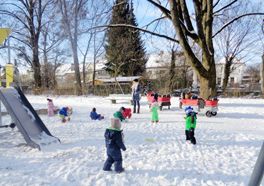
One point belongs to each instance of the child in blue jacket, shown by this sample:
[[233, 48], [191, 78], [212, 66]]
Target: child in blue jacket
[[95, 116], [114, 143], [65, 113]]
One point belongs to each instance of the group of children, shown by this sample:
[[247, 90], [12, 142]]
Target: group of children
[[64, 112], [114, 135]]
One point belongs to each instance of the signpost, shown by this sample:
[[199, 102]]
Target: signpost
[[4, 33]]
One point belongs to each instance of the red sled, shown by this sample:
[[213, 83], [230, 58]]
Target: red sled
[[164, 100], [210, 106]]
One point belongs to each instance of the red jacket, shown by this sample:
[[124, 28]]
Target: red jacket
[[127, 113]]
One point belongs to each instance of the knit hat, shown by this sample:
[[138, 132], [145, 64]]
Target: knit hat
[[115, 123], [188, 110]]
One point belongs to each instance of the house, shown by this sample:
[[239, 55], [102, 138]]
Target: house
[[237, 73], [158, 64], [65, 73]]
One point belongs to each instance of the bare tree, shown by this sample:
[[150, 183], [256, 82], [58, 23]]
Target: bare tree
[[72, 13], [205, 11], [237, 41], [99, 12], [27, 16], [262, 75], [262, 63], [196, 27], [52, 52]]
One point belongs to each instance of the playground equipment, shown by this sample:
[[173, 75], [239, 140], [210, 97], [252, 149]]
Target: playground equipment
[[210, 107], [123, 97], [23, 115], [162, 100], [25, 118], [258, 171]]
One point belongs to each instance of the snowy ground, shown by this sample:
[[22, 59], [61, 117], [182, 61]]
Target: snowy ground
[[227, 148]]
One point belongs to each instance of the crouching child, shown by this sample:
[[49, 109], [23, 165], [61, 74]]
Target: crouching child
[[114, 143], [126, 113], [65, 113], [190, 124], [119, 114]]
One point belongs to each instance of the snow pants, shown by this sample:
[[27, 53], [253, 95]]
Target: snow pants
[[136, 104], [190, 135], [116, 159]]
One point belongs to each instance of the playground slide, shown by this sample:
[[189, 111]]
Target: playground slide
[[26, 119]]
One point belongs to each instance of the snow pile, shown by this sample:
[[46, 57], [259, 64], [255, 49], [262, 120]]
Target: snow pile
[[225, 154]]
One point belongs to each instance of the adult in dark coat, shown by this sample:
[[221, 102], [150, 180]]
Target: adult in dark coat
[[114, 144], [136, 95]]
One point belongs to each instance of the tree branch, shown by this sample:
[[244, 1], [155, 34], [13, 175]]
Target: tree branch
[[224, 7], [235, 19], [137, 28], [162, 8], [160, 18], [216, 3]]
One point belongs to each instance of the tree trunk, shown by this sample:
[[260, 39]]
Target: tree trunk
[[36, 68], [172, 71], [226, 74], [46, 71], [262, 76], [94, 68], [207, 87], [78, 83], [208, 80]]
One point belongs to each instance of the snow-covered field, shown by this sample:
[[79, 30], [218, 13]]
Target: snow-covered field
[[226, 151]]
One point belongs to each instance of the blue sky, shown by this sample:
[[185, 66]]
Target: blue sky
[[145, 13]]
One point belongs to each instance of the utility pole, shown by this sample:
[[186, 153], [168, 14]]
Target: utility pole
[[9, 51]]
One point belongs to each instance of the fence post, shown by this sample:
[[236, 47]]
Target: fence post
[[258, 171]]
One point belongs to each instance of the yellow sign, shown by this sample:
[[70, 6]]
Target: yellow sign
[[4, 32], [9, 69]]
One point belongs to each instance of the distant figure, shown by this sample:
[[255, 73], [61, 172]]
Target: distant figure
[[154, 107], [190, 124], [188, 95], [114, 143], [126, 113], [95, 116], [136, 95], [51, 108], [65, 113], [118, 114]]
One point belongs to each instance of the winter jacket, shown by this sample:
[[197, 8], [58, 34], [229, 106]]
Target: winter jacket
[[188, 121], [127, 113], [51, 108], [63, 111], [95, 116], [114, 142], [136, 93], [154, 111], [119, 115]]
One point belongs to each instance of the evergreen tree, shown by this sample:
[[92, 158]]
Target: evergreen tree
[[125, 52]]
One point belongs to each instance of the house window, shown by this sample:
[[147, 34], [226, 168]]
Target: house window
[[232, 80]]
